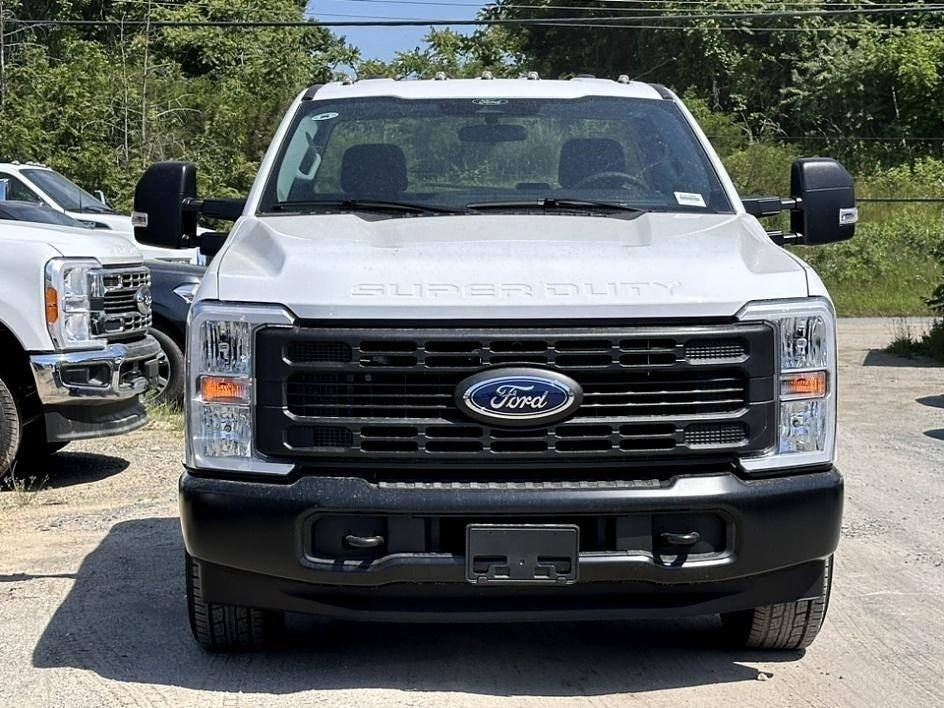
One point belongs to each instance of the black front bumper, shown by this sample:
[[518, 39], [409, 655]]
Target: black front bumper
[[258, 545]]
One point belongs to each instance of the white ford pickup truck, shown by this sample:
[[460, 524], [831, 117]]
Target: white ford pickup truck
[[506, 350], [76, 355], [39, 184]]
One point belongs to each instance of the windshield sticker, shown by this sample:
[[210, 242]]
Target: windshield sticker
[[324, 116], [690, 199]]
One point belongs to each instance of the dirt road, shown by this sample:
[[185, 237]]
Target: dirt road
[[92, 600]]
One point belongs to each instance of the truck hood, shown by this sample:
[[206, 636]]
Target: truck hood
[[72, 242], [120, 224], [505, 266]]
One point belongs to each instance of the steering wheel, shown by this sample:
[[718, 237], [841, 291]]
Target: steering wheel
[[623, 178]]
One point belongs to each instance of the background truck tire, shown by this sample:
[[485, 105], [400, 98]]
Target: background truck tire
[[787, 625], [225, 628], [170, 389], [11, 430]]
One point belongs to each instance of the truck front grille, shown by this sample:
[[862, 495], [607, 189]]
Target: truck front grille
[[359, 394], [116, 311]]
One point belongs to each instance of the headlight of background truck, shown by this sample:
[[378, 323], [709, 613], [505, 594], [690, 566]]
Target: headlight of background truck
[[221, 387], [806, 382], [70, 286]]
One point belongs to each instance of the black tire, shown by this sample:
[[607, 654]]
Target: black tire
[[787, 625], [226, 628], [169, 389], [11, 430]]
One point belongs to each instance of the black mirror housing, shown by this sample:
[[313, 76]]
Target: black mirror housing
[[161, 199], [211, 242], [826, 209]]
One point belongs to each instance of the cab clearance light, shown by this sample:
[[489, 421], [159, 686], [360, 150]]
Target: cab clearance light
[[809, 384], [224, 389]]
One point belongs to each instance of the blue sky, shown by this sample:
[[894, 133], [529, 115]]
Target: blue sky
[[384, 42]]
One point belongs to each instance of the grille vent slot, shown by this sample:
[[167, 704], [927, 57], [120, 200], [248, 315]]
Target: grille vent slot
[[716, 350], [318, 352], [727, 434]]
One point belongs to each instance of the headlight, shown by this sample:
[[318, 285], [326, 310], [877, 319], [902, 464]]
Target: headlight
[[806, 387], [220, 386], [70, 288]]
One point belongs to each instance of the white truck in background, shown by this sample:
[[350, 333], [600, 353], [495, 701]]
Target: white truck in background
[[41, 185], [76, 355]]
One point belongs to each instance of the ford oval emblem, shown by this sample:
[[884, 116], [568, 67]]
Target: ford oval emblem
[[522, 397]]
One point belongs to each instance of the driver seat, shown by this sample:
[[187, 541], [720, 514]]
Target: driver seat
[[582, 157]]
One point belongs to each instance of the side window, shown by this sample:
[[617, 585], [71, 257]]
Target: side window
[[11, 188]]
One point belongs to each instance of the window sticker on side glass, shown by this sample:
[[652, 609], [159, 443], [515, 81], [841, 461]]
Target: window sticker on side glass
[[690, 199]]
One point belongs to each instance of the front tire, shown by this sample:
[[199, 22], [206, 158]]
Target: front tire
[[169, 387], [11, 430], [226, 628], [786, 625]]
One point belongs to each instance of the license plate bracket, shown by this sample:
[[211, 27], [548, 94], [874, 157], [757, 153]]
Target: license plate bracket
[[532, 554]]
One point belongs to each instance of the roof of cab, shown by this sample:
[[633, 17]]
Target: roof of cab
[[480, 88]]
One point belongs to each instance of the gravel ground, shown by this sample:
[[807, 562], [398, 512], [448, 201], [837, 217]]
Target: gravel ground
[[92, 599]]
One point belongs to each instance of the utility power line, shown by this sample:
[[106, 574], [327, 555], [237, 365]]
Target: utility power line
[[615, 21]]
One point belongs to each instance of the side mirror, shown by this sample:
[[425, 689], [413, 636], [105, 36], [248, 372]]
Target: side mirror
[[166, 206], [161, 217], [825, 209]]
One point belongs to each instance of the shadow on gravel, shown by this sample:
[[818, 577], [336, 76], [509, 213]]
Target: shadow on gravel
[[936, 434], [932, 401], [67, 469], [879, 357], [125, 620]]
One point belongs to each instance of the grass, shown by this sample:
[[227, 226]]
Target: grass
[[887, 270], [913, 345], [164, 417], [898, 292], [24, 489]]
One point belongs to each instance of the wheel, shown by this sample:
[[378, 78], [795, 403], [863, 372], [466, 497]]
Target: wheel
[[787, 625], [11, 429], [169, 387], [226, 628]]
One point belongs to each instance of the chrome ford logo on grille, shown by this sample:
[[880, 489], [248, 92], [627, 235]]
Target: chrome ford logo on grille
[[518, 396], [142, 299]]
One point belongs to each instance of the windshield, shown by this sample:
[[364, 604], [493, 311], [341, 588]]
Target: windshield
[[66, 193], [461, 153]]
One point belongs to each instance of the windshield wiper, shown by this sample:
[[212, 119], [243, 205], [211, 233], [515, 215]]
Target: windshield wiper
[[554, 203], [93, 209], [368, 205]]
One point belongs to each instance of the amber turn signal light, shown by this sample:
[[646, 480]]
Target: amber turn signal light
[[809, 384], [52, 306], [224, 389]]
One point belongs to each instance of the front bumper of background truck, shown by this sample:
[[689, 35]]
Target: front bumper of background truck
[[90, 394], [257, 545]]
